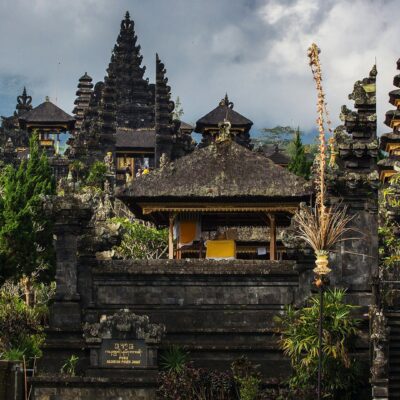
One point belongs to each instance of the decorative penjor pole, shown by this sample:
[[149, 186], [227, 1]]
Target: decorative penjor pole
[[321, 226]]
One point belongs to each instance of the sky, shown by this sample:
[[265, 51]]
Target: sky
[[255, 50]]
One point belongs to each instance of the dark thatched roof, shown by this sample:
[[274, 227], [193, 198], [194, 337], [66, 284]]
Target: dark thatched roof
[[278, 157], [185, 126], [224, 110], [135, 138], [221, 170], [46, 113]]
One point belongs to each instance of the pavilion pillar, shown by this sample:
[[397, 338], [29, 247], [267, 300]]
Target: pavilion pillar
[[272, 239], [171, 237]]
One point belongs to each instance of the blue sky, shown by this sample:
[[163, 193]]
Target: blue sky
[[253, 49]]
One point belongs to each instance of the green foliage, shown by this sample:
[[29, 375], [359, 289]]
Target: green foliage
[[13, 355], [22, 325], [97, 175], [247, 379], [78, 169], [69, 367], [174, 359], [299, 342], [195, 384], [141, 241], [389, 201], [299, 163], [25, 231]]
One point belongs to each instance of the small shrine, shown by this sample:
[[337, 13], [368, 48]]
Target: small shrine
[[208, 125], [207, 205], [49, 121]]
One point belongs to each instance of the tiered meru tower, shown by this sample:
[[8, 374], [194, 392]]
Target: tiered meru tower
[[127, 115], [390, 142]]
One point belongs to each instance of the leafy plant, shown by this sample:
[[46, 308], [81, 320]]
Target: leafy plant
[[195, 384], [174, 359], [247, 378], [141, 241], [14, 354], [69, 367], [22, 324], [299, 341], [97, 174]]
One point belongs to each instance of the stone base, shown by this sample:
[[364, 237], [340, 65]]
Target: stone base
[[59, 387]]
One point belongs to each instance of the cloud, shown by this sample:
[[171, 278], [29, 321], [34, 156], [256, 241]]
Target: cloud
[[253, 49]]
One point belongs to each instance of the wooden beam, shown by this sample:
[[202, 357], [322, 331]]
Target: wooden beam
[[272, 237], [171, 237]]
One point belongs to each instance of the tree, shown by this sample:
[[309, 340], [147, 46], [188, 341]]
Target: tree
[[280, 135], [299, 164], [26, 238], [178, 110]]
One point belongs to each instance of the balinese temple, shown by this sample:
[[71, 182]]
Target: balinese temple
[[208, 125], [50, 121], [206, 203], [390, 142], [136, 134]]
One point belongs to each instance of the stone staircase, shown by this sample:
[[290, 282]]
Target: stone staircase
[[393, 319]]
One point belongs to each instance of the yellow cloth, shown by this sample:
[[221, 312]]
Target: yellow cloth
[[187, 232], [145, 171], [221, 249]]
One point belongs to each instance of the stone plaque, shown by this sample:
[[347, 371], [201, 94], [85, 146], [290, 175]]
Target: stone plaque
[[123, 353]]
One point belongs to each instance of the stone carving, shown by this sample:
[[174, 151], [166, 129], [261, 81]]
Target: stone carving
[[124, 323], [379, 339]]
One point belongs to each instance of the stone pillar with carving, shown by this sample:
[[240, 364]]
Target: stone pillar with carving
[[380, 354]]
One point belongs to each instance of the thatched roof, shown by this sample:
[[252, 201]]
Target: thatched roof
[[221, 170], [224, 110], [46, 112], [135, 139]]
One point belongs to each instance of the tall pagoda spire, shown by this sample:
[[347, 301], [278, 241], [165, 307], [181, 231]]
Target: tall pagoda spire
[[84, 92], [390, 142], [134, 97], [165, 127]]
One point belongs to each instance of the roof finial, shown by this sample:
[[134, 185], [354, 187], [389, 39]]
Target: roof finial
[[127, 16], [373, 72], [47, 98]]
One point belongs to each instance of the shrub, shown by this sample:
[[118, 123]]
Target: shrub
[[174, 359], [195, 384], [97, 175], [141, 241], [299, 341], [247, 379], [22, 325]]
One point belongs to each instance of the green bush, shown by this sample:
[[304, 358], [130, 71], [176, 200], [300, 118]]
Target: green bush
[[22, 325], [247, 379], [141, 241], [299, 341], [97, 175], [174, 359]]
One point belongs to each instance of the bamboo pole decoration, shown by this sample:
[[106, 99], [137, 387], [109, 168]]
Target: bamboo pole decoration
[[323, 117]]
